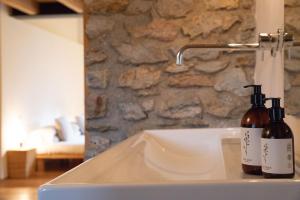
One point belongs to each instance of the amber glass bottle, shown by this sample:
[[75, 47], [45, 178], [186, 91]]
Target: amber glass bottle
[[252, 124], [277, 145]]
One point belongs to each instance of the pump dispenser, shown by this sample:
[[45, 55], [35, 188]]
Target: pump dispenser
[[277, 145], [276, 113], [252, 124], [257, 98]]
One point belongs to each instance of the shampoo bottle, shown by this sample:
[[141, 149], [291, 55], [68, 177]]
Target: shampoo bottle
[[252, 124], [277, 145]]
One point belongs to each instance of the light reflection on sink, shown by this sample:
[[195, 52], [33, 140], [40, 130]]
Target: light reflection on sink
[[170, 165]]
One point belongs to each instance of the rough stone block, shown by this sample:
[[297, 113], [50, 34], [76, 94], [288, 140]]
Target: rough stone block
[[174, 8], [148, 105], [292, 65], [184, 81], [222, 4], [174, 105], [105, 6], [140, 78], [212, 66], [194, 123], [98, 25], [97, 78], [93, 57], [159, 29], [208, 22], [174, 69], [141, 54], [132, 111], [294, 82], [96, 144], [95, 105], [148, 92], [292, 18], [292, 3], [287, 81], [138, 7], [245, 60], [232, 80], [247, 3], [292, 103], [221, 104]]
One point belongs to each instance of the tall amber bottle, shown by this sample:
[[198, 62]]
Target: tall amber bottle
[[277, 145], [252, 124]]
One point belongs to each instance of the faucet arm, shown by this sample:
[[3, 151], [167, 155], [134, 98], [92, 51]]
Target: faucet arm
[[266, 41], [231, 47]]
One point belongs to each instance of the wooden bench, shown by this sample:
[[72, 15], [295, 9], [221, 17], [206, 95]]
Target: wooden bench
[[40, 158]]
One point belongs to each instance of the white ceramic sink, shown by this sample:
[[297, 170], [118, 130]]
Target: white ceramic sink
[[189, 164]]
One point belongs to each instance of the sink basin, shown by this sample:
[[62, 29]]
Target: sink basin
[[169, 164], [176, 157]]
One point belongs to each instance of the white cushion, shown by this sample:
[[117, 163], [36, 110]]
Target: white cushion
[[80, 122], [66, 131], [76, 130]]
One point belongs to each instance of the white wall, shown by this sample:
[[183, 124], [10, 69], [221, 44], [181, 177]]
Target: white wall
[[42, 78], [70, 27]]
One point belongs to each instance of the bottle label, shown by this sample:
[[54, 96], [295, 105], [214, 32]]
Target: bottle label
[[277, 156], [250, 146]]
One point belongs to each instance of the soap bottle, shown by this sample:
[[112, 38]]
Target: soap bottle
[[252, 124], [277, 145]]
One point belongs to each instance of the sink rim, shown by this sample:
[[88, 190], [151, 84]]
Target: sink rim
[[244, 182], [229, 133]]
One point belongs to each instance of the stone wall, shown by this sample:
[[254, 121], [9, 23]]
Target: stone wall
[[132, 82], [292, 64]]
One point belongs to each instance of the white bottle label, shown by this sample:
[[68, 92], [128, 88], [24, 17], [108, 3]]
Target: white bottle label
[[250, 146], [277, 156]]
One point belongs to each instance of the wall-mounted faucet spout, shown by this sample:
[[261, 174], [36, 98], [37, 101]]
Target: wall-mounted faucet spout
[[266, 41], [220, 47]]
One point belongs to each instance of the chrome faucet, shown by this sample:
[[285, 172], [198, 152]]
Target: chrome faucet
[[266, 41]]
